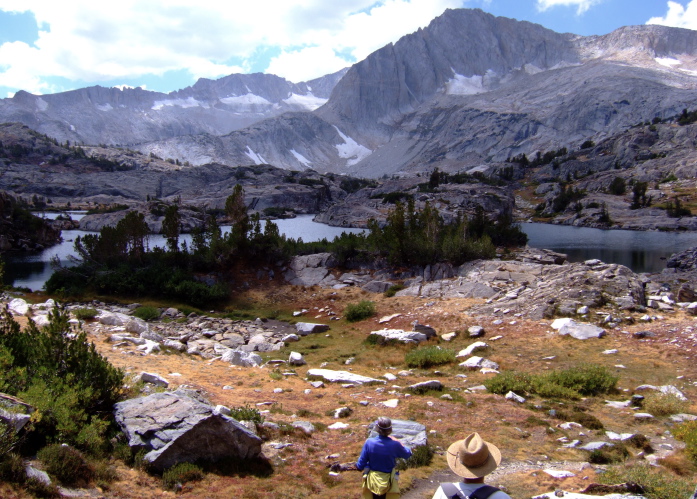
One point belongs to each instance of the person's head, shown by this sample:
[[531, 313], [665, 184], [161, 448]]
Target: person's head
[[472, 457], [384, 426]]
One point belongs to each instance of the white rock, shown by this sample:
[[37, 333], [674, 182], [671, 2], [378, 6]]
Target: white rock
[[643, 416], [595, 445], [289, 338], [448, 336], [581, 331], [558, 323], [388, 318], [401, 335], [244, 359], [18, 306], [515, 397], [474, 347], [221, 409], [337, 426], [296, 359], [389, 376], [618, 436], [666, 389], [618, 404], [559, 473], [474, 363], [342, 377], [153, 378], [610, 352], [392, 403]]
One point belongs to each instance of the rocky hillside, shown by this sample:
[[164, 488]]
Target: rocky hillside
[[98, 115], [469, 89], [643, 179], [442, 97]]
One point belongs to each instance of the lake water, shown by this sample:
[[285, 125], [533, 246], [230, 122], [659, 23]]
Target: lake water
[[640, 251], [33, 270]]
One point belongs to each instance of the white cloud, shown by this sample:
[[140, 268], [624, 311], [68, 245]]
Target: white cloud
[[678, 16], [581, 5], [98, 41]]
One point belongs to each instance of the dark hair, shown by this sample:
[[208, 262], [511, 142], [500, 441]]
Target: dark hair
[[383, 426]]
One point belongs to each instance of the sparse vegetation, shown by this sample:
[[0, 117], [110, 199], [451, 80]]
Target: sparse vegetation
[[66, 464], [147, 313], [572, 383], [426, 357], [360, 311], [85, 314], [181, 473]]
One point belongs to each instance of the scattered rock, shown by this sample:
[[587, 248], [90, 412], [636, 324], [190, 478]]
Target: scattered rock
[[296, 359], [305, 328], [475, 331], [305, 426], [581, 331], [401, 335], [474, 347], [342, 377], [409, 433], [515, 397], [155, 379], [474, 363], [425, 386]]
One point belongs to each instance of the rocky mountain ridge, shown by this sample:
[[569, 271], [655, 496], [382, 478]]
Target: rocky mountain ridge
[[99, 115], [467, 90]]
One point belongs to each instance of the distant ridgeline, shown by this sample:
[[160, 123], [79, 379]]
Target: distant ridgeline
[[20, 230]]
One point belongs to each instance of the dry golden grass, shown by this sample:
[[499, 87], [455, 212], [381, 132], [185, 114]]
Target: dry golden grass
[[522, 433]]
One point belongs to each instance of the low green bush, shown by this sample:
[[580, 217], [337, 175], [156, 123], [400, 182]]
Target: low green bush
[[66, 464], [180, 474], [392, 290], [687, 432], [359, 311], [586, 379], [664, 404], [421, 455], [657, 483], [147, 313], [616, 453], [12, 468], [246, 413], [85, 314], [429, 356], [572, 383]]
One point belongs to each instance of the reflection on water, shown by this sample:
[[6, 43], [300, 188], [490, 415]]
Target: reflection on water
[[640, 251], [33, 270]]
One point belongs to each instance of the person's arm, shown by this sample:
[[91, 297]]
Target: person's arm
[[363, 459], [405, 452]]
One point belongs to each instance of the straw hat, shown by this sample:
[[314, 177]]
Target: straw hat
[[473, 457]]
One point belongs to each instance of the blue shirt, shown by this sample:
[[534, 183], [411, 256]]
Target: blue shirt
[[379, 454]]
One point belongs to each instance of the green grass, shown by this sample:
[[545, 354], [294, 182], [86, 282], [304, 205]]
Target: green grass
[[572, 383], [429, 356], [658, 483], [360, 311]]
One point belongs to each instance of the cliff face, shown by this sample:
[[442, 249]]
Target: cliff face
[[468, 89]]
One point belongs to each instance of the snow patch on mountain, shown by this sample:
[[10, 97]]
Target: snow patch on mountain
[[257, 158], [667, 61], [462, 85], [183, 103], [41, 104], [309, 101], [351, 150], [248, 99], [302, 159], [104, 107]]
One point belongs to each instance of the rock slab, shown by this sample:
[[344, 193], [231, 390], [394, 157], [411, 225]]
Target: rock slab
[[174, 427]]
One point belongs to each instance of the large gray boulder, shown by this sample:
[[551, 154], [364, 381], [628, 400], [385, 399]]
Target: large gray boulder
[[172, 427], [311, 270], [581, 331], [401, 335], [409, 433], [305, 328], [14, 412]]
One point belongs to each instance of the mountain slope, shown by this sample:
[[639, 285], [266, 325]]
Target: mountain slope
[[98, 115]]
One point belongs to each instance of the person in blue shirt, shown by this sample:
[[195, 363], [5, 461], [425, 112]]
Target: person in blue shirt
[[378, 458]]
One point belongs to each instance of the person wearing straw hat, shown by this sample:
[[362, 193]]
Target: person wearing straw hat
[[378, 456], [472, 459]]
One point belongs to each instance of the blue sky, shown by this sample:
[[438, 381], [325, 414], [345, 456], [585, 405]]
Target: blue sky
[[49, 46]]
